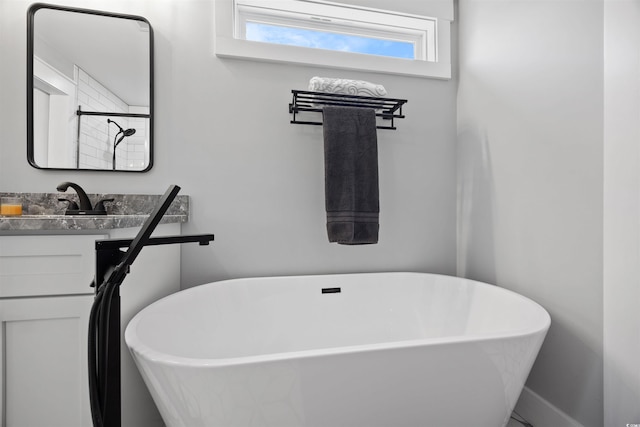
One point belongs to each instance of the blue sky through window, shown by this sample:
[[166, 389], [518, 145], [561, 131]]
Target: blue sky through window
[[326, 40]]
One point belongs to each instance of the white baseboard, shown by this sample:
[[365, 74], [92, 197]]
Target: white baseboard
[[541, 413]]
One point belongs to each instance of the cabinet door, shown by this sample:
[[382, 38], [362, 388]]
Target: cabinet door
[[47, 265], [43, 362]]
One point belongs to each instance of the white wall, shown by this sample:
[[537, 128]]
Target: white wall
[[530, 150], [223, 134], [622, 210]]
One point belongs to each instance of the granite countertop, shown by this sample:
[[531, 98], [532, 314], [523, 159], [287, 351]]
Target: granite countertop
[[43, 211]]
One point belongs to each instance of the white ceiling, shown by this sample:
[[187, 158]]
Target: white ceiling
[[114, 51]]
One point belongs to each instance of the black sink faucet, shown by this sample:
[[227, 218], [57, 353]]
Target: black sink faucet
[[85, 203], [85, 207]]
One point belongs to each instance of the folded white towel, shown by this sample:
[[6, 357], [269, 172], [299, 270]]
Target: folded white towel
[[345, 86]]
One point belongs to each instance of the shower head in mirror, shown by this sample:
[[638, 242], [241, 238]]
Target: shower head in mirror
[[129, 132], [122, 133]]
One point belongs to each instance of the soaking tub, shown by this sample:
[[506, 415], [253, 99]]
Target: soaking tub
[[354, 350]]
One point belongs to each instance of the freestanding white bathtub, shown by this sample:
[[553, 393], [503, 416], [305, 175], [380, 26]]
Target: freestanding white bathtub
[[356, 350]]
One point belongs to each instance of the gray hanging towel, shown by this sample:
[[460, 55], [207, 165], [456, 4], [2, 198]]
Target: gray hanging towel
[[351, 174]]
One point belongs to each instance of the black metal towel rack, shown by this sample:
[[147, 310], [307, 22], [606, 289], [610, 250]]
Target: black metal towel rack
[[307, 101]]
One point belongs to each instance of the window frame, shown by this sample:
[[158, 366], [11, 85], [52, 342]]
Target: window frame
[[341, 19], [436, 65]]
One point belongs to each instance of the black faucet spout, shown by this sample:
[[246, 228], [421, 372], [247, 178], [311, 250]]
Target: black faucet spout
[[85, 203]]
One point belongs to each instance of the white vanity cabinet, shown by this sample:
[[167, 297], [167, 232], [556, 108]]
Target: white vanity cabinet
[[45, 299], [44, 366]]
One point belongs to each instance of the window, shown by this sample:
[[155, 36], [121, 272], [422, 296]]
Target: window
[[341, 42], [336, 35], [336, 26]]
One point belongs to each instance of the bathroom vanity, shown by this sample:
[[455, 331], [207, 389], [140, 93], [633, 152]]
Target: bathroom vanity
[[47, 263]]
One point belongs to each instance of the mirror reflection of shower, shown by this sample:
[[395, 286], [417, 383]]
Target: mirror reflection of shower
[[122, 134], [74, 84]]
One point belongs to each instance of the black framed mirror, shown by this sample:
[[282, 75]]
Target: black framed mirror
[[89, 90]]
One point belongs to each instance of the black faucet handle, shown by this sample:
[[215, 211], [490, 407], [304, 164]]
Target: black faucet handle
[[100, 205], [72, 206]]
